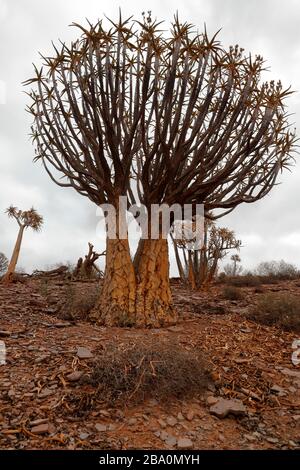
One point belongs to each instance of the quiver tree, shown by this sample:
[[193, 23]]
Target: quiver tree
[[3, 263], [184, 119], [199, 266], [25, 220]]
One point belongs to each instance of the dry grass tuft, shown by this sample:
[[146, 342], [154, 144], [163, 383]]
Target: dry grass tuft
[[280, 309], [162, 370]]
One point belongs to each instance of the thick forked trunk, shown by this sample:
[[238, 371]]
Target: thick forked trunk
[[154, 299], [116, 306], [7, 278]]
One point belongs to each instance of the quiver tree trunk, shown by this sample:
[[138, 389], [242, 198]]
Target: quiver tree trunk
[[153, 299], [116, 305], [8, 277], [191, 271]]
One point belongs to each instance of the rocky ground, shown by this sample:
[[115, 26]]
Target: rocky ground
[[252, 403]]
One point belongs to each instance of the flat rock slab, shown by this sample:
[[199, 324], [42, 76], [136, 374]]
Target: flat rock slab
[[75, 376], [84, 353], [100, 427], [291, 373], [40, 429], [225, 407], [184, 443]]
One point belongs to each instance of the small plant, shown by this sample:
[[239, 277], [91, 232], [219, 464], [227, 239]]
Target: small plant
[[280, 309], [161, 370], [77, 302], [248, 280], [232, 293]]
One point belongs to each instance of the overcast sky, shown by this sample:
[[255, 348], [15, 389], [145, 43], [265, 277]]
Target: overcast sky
[[269, 229]]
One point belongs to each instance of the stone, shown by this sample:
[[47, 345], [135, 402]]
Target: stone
[[184, 443], [272, 440], [40, 429], [75, 376], [132, 421], [164, 435], [171, 441], [291, 373], [37, 422], [190, 415], [100, 427], [225, 407], [84, 353], [162, 423], [171, 421], [211, 400], [5, 334], [83, 436], [180, 416], [277, 389], [46, 392]]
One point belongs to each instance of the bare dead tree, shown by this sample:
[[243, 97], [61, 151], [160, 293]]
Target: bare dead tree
[[25, 219], [185, 119], [87, 267]]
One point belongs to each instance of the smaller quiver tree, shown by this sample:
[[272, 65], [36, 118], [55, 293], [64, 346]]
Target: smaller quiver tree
[[25, 220]]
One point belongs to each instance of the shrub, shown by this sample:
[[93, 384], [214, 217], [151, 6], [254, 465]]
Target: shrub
[[161, 370], [279, 309], [277, 269], [232, 293], [78, 301], [248, 280]]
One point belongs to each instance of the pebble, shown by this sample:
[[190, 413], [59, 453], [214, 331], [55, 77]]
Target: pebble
[[184, 443], [40, 429], [272, 440], [211, 400], [84, 353], [171, 441], [171, 421], [225, 407], [190, 415], [162, 423], [75, 376], [101, 427]]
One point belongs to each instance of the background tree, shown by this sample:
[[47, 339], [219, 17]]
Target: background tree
[[234, 268], [184, 119], [279, 269], [25, 220], [3, 263], [200, 266]]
